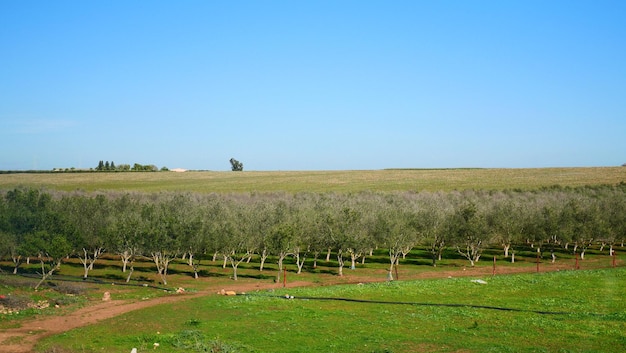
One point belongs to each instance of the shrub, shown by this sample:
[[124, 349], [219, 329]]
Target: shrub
[[16, 302], [69, 288]]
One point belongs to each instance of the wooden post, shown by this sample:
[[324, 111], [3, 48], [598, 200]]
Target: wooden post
[[577, 266], [494, 266], [537, 261], [397, 278], [613, 258], [284, 277]]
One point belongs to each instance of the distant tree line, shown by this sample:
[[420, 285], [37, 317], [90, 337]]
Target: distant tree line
[[111, 167], [52, 225]]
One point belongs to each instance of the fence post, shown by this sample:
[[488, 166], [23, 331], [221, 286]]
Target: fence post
[[613, 258], [537, 261], [494, 266]]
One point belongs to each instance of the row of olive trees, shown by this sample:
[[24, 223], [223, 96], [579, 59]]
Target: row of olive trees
[[51, 226]]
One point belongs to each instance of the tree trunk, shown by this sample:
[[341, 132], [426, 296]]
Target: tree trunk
[[17, 261], [124, 262], [553, 256], [393, 258], [299, 261], [194, 266], [512, 258], [300, 266], [88, 260], [506, 250], [235, 263], [281, 257], [130, 272], [85, 261], [234, 266], [264, 256], [340, 263], [353, 261], [162, 262], [328, 255], [45, 275]]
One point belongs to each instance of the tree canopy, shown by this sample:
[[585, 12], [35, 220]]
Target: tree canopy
[[52, 225]]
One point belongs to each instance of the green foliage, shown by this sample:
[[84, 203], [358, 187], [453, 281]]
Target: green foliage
[[165, 226], [235, 165]]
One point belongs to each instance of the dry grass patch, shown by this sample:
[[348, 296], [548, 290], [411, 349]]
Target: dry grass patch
[[322, 181]]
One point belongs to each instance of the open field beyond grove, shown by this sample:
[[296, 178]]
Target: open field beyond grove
[[321, 181]]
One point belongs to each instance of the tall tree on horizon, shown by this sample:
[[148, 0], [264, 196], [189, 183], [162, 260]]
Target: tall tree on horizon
[[235, 165]]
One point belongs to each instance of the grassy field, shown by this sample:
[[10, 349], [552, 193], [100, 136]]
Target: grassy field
[[566, 311], [262, 322], [322, 181]]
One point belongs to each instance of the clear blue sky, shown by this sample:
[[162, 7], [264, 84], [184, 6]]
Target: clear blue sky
[[313, 85]]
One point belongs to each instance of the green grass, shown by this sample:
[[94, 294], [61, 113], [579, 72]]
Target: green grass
[[322, 181], [264, 322]]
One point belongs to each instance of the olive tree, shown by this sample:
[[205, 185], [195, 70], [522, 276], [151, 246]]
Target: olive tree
[[504, 219], [24, 215], [159, 238], [613, 214], [90, 217], [233, 243], [469, 231], [344, 228], [579, 221], [126, 231]]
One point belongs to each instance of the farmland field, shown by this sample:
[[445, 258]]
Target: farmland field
[[321, 181]]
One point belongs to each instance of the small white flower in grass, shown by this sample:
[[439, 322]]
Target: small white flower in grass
[[156, 345]]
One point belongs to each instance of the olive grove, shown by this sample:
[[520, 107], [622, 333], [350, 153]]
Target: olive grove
[[51, 225]]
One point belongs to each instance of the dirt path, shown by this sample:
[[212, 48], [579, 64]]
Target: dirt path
[[24, 338]]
